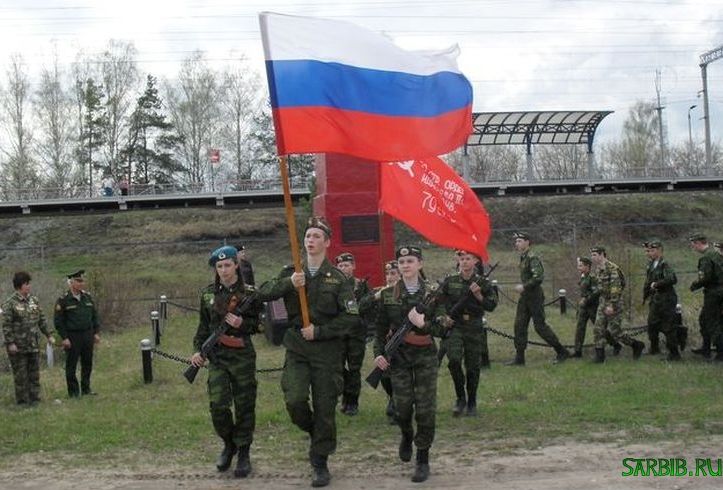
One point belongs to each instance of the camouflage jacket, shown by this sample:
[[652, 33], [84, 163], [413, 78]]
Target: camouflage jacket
[[455, 287], [664, 278], [610, 282], [23, 321], [215, 301], [532, 273], [589, 291], [332, 307], [710, 271]]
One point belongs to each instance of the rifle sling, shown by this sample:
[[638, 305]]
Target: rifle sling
[[231, 341]]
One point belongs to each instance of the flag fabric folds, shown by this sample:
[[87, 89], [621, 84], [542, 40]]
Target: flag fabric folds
[[339, 88], [431, 198]]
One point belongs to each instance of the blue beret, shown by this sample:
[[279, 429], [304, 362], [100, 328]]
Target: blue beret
[[225, 252]]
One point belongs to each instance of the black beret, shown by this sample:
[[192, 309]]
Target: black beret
[[598, 249], [344, 257], [76, 274], [521, 234], [318, 222], [409, 250], [697, 237], [653, 244], [392, 264]]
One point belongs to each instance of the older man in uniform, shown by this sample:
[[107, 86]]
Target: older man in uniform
[[244, 265], [531, 304], [313, 352], [23, 321], [710, 278], [354, 341], [659, 289], [76, 320], [609, 318]]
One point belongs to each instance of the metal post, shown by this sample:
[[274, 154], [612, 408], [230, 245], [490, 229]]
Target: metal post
[[690, 136], [155, 328], [163, 310], [562, 294], [706, 118], [49, 354], [147, 360]]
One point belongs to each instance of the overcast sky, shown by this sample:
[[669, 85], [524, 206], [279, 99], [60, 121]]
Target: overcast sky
[[519, 54]]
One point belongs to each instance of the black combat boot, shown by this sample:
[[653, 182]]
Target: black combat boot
[[599, 355], [405, 446], [704, 349], [472, 406], [243, 463], [577, 354], [673, 354], [682, 335], [519, 359], [638, 348], [224, 459], [617, 348], [421, 470], [459, 407], [654, 345], [485, 361], [562, 354], [320, 471], [352, 407], [671, 342]]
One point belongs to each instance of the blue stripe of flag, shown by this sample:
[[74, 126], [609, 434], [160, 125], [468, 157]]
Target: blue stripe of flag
[[300, 83]]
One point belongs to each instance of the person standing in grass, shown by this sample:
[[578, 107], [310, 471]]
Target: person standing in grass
[[23, 321], [659, 291], [232, 368], [710, 278], [313, 352]]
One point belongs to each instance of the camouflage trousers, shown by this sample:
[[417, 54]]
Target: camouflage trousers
[[353, 348], [710, 317], [609, 328], [232, 393], [26, 374], [318, 372], [532, 306], [414, 383], [466, 344]]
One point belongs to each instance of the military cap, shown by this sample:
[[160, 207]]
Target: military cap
[[391, 265], [653, 244], [521, 234], [240, 247], [76, 274], [697, 237], [344, 257], [222, 253], [598, 249], [409, 250], [585, 260], [318, 222]]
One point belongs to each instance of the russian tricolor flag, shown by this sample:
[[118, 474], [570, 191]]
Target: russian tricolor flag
[[336, 87]]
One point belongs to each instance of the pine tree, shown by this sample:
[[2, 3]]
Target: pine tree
[[92, 125]]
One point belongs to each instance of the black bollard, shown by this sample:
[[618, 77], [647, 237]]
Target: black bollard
[[163, 311], [147, 360], [562, 294], [155, 328]]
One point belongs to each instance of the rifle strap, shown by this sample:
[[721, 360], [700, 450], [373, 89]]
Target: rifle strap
[[417, 340], [232, 342]]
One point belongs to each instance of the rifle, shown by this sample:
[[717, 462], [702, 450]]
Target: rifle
[[392, 345], [237, 308], [454, 315]]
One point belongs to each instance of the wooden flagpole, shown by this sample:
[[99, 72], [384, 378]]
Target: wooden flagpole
[[293, 240]]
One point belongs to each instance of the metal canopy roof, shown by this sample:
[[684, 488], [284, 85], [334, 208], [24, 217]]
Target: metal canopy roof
[[531, 128]]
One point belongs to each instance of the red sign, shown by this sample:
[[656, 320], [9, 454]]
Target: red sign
[[214, 155]]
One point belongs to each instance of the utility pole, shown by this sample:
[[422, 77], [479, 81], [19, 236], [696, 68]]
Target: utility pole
[[705, 60], [660, 108]]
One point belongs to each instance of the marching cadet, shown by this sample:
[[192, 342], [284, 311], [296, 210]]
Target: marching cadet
[[232, 367], [313, 360], [470, 295], [659, 288], [23, 321], [531, 304], [609, 317], [710, 278], [76, 321], [587, 306], [354, 343], [413, 369]]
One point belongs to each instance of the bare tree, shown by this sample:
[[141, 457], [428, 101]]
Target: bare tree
[[560, 161], [19, 171], [194, 111], [490, 163], [54, 112]]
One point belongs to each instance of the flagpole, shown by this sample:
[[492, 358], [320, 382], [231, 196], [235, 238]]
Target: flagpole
[[293, 240], [380, 214]]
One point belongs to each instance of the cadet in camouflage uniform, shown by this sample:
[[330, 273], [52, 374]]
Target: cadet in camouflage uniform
[[76, 321], [710, 278], [659, 289], [23, 321], [232, 367], [467, 338], [609, 318], [531, 304], [413, 368], [354, 344], [587, 306], [313, 353]]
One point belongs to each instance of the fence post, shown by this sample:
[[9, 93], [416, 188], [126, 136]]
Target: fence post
[[163, 310], [562, 294], [155, 328], [147, 361], [49, 354]]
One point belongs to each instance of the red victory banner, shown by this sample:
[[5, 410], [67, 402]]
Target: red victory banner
[[431, 198]]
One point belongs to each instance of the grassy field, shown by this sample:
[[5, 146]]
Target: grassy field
[[137, 256]]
